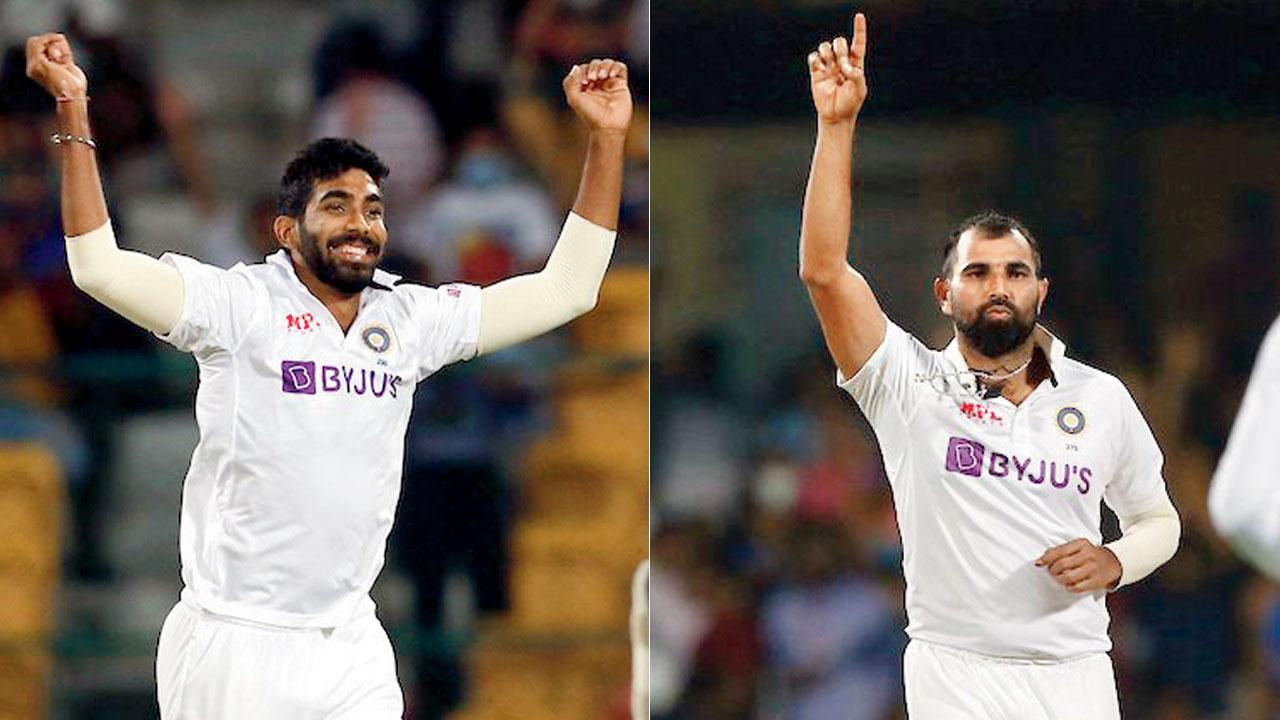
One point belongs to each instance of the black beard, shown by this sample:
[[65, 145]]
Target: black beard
[[330, 270], [997, 338]]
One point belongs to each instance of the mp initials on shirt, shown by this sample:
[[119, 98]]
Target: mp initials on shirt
[[292, 489], [978, 499], [302, 322]]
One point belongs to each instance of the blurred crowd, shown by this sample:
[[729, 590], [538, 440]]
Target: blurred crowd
[[467, 110], [777, 584]]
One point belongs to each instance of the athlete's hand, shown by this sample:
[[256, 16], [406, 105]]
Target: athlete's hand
[[837, 75], [1080, 566], [597, 91], [50, 64]]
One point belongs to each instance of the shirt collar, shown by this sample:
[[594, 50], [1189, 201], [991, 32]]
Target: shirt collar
[[382, 279], [1054, 350]]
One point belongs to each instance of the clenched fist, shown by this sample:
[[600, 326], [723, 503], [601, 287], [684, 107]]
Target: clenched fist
[[837, 75], [598, 93], [50, 64], [1080, 566]]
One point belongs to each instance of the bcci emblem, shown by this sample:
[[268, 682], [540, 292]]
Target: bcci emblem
[[1071, 420], [376, 338]]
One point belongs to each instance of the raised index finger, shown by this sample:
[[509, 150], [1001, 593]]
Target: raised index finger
[[859, 38]]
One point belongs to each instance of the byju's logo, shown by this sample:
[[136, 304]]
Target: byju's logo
[[302, 377], [969, 457], [965, 457], [299, 377]]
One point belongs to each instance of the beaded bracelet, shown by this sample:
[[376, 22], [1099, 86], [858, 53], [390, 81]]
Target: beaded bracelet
[[63, 139], [64, 98]]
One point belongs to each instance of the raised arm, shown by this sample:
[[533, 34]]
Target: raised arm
[[526, 306], [141, 288], [851, 319]]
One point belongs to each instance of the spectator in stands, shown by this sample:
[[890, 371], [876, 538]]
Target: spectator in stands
[[455, 517], [679, 616], [550, 36], [697, 465], [485, 222], [832, 638], [359, 97], [726, 661], [240, 233]]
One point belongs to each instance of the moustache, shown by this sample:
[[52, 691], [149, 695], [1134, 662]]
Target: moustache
[[998, 304]]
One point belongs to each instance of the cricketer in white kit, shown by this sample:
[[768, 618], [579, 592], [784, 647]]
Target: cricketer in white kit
[[1244, 500], [307, 366], [999, 451]]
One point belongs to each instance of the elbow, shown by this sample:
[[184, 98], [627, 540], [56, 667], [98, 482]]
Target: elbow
[[583, 303], [820, 276], [92, 281], [813, 278]]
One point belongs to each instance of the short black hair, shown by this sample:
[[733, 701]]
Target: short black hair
[[321, 160], [988, 224]]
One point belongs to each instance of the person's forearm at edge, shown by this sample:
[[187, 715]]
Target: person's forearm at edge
[[84, 206], [600, 189]]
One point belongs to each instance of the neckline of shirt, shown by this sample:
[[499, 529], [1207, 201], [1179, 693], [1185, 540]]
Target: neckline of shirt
[[382, 280], [1054, 349]]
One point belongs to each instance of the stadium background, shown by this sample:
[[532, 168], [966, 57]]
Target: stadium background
[[523, 516], [1139, 141]]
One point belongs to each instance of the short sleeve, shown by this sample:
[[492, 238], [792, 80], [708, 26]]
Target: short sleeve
[[218, 309], [888, 386], [1138, 484], [449, 317]]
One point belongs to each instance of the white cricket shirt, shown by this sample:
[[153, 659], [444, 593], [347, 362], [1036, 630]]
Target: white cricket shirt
[[1244, 499], [293, 486], [983, 487]]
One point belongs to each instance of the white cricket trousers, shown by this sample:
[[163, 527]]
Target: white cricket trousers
[[212, 667], [948, 684]]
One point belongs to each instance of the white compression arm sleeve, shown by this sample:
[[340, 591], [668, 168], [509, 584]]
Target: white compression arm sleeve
[[1244, 500], [526, 306], [1149, 540], [139, 287]]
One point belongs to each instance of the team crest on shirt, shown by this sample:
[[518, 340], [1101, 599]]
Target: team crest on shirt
[[376, 338], [1071, 420]]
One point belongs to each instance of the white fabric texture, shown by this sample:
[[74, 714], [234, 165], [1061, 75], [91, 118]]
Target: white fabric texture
[[293, 486], [640, 642], [142, 289], [947, 684], [983, 487], [215, 668], [526, 306], [1244, 500]]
